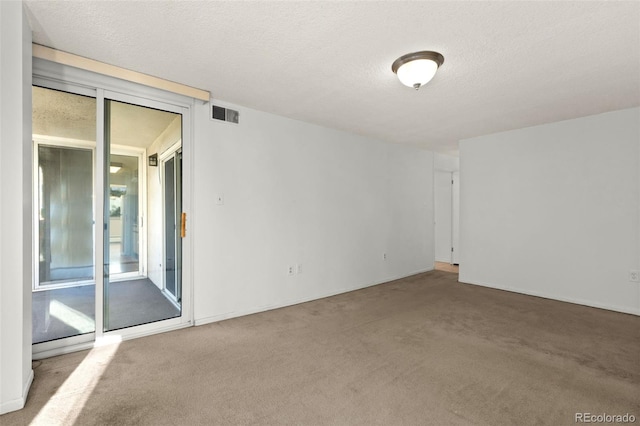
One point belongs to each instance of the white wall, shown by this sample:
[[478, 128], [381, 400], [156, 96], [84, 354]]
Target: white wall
[[15, 217], [553, 210], [296, 193], [446, 163]]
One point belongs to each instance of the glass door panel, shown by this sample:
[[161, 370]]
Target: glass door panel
[[170, 226], [63, 298], [137, 287]]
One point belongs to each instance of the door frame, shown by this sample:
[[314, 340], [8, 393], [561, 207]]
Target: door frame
[[455, 221], [449, 207], [185, 319], [453, 176]]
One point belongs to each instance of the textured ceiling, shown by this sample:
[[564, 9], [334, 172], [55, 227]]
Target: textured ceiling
[[133, 125], [63, 115], [66, 115], [507, 64]]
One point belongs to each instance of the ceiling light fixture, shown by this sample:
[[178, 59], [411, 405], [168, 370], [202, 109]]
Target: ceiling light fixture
[[115, 167], [417, 69]]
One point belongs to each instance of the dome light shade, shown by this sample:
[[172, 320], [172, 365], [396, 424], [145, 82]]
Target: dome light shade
[[417, 69]]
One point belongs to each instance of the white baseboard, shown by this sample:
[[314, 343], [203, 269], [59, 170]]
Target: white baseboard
[[255, 310], [18, 404], [615, 308]]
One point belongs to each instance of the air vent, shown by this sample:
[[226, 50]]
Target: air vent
[[218, 113], [232, 116], [224, 114]]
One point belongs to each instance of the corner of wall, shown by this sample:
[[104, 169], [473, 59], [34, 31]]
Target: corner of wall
[[15, 226], [560, 201], [27, 206]]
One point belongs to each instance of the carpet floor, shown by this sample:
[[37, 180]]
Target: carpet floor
[[418, 351]]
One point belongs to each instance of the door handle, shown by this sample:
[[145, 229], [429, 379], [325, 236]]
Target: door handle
[[183, 225]]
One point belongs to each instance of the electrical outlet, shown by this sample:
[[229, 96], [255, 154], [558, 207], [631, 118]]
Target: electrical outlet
[[634, 276], [290, 270], [384, 256], [299, 268]]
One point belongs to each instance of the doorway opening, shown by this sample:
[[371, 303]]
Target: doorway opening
[[447, 267], [447, 213]]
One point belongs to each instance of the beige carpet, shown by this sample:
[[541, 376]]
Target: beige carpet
[[422, 350]]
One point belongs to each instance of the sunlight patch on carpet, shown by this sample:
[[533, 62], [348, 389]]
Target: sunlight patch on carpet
[[67, 403]]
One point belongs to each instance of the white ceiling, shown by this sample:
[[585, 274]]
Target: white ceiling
[[507, 64]]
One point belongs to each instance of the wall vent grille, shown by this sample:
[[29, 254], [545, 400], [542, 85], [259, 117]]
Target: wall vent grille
[[224, 114]]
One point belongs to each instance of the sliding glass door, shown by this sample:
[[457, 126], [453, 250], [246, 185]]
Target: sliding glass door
[[134, 294], [172, 206], [93, 153], [64, 136]]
